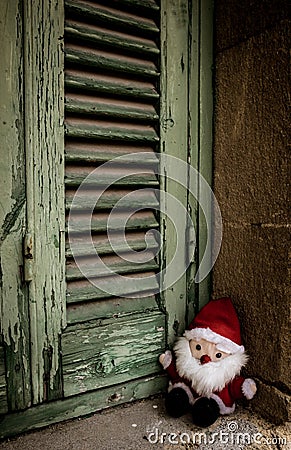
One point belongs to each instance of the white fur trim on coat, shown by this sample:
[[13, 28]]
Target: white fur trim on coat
[[222, 343], [247, 388], [186, 389], [222, 408]]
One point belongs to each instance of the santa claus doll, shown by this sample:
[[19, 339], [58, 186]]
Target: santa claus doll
[[204, 370]]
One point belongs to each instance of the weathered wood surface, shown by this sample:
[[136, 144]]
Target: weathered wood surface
[[186, 132], [81, 405], [125, 263], [3, 384], [114, 19], [112, 83], [90, 153], [123, 111], [194, 149], [95, 37], [174, 142], [102, 245], [14, 325], [92, 59], [44, 99], [110, 308], [145, 5], [78, 80], [43, 58], [99, 221], [75, 129], [117, 175], [99, 356], [95, 199], [83, 291], [205, 132]]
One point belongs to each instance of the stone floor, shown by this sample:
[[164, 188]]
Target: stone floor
[[145, 425]]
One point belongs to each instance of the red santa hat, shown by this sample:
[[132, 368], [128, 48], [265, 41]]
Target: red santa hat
[[217, 322]]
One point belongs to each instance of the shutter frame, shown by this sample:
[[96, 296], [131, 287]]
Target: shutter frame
[[44, 147]]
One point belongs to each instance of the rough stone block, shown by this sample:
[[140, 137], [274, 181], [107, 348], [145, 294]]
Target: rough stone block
[[251, 129], [237, 21], [252, 268], [272, 404]]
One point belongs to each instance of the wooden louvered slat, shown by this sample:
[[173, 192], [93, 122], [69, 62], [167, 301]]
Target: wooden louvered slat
[[84, 291], [128, 176], [110, 17], [145, 198], [101, 109], [88, 153], [98, 37], [109, 308], [76, 129], [88, 82], [91, 267], [120, 243], [97, 61], [144, 5], [142, 220]]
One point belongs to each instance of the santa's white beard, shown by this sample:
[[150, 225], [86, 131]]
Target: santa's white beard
[[209, 377]]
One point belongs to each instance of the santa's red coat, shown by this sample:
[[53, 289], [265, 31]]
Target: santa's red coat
[[225, 398]]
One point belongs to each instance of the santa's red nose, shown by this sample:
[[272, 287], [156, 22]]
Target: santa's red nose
[[205, 359]]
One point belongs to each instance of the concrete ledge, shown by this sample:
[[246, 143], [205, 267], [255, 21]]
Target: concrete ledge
[[146, 425]]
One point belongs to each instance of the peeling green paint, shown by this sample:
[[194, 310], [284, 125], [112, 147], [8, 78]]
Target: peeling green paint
[[95, 356], [174, 141], [112, 19], [81, 405], [44, 148], [107, 342], [13, 297], [56, 241], [12, 216]]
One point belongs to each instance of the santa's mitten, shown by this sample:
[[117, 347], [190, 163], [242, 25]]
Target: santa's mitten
[[249, 388], [177, 402], [165, 359], [205, 412]]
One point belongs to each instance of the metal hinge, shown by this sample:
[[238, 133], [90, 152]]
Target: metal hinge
[[28, 257]]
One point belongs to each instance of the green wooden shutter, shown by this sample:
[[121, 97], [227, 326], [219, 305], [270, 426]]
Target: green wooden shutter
[[108, 352], [111, 109]]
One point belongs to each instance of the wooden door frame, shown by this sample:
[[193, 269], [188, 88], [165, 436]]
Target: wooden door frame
[[186, 133]]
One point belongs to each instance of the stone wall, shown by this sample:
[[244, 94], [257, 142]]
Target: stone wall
[[250, 182]]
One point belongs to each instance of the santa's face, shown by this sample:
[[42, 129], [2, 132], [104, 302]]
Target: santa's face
[[206, 351], [208, 368]]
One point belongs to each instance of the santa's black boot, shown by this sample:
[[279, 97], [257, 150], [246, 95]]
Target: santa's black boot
[[205, 412], [177, 402]]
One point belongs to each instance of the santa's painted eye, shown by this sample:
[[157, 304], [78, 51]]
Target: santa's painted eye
[[198, 347], [218, 355]]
